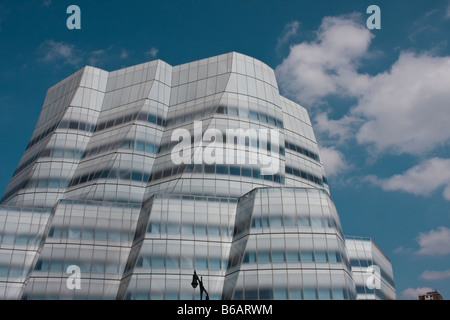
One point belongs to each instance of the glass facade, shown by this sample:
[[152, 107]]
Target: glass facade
[[99, 188], [371, 269]]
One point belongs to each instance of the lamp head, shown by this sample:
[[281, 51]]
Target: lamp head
[[194, 282]]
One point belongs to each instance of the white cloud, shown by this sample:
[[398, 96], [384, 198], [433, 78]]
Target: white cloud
[[290, 30], [435, 242], [435, 275], [406, 109], [421, 179], [327, 65], [401, 249], [124, 54], [54, 51], [338, 130], [152, 53], [95, 57], [401, 110], [413, 293], [333, 161]]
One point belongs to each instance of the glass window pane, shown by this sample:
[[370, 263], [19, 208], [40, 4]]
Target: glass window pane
[[307, 256], [321, 256], [310, 293], [280, 294], [201, 263], [295, 294], [265, 294], [293, 257], [215, 263], [278, 256], [214, 230], [264, 257], [187, 229], [200, 229], [303, 222], [316, 222], [173, 262], [173, 228], [324, 293], [158, 262]]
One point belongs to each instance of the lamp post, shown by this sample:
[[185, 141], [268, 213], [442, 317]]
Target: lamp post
[[195, 281]]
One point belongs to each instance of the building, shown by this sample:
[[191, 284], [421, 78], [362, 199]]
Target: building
[[135, 178], [432, 295], [371, 269]]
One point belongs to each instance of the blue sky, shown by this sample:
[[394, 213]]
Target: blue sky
[[379, 100]]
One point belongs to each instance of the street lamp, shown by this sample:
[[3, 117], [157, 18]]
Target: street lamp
[[195, 281]]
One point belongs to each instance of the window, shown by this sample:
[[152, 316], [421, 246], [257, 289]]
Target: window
[[324, 293], [278, 256], [222, 110], [246, 172], [321, 256], [303, 222], [307, 256], [265, 294], [276, 221], [254, 115], [151, 118], [310, 293], [280, 294], [158, 262], [210, 169], [214, 230], [235, 171], [173, 262], [200, 229], [316, 222], [201, 263], [293, 256], [222, 169], [264, 257], [214, 263], [249, 257], [73, 125], [136, 176], [187, 229], [140, 145], [295, 294], [256, 222], [173, 228]]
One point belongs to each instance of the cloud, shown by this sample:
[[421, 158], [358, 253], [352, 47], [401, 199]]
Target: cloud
[[152, 53], [397, 111], [333, 161], [435, 242], [47, 2], [54, 51], [289, 31], [338, 130], [413, 293], [403, 107], [124, 54], [435, 275], [401, 249], [51, 51], [96, 57], [421, 179], [327, 65]]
